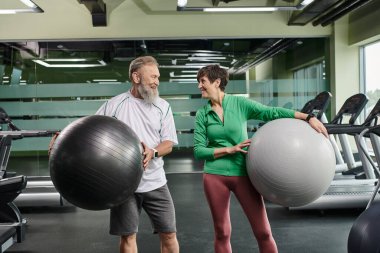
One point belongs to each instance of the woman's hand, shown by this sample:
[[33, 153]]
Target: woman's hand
[[314, 123], [219, 152], [318, 126], [239, 147]]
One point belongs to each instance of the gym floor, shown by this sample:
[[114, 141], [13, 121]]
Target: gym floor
[[70, 229]]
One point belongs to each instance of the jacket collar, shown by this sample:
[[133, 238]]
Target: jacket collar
[[224, 102]]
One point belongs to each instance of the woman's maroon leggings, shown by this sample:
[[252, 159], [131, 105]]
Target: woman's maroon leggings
[[217, 189]]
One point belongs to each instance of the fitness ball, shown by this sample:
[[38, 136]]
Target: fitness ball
[[96, 162], [364, 234], [289, 163]]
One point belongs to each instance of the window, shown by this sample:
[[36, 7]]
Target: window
[[371, 73]]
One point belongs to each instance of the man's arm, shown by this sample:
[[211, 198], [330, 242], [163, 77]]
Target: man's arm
[[163, 149]]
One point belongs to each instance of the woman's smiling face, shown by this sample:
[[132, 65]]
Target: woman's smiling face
[[206, 87]]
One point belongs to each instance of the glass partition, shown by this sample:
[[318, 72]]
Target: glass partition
[[47, 85]]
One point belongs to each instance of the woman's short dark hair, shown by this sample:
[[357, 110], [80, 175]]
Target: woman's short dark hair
[[213, 72]]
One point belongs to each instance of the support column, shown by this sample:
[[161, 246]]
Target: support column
[[344, 65]]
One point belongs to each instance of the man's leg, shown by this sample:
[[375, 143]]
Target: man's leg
[[158, 204], [124, 220], [169, 243], [128, 244]]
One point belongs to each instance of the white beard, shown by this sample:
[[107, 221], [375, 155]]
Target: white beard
[[149, 95]]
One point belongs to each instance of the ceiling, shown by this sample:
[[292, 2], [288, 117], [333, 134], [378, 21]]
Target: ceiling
[[179, 60], [302, 11], [85, 61]]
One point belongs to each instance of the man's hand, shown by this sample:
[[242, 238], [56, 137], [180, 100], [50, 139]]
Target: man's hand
[[51, 144], [148, 155]]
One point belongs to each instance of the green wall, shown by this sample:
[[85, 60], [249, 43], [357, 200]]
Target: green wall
[[147, 19]]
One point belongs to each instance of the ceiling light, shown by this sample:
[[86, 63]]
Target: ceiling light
[[173, 54], [181, 66], [202, 63], [189, 71], [7, 12], [198, 66], [104, 80], [193, 53], [100, 63], [210, 58], [29, 3], [306, 2], [180, 80], [182, 3], [181, 6], [240, 9], [171, 74], [66, 60], [32, 8]]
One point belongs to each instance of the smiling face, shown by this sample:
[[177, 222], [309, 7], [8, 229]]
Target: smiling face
[[146, 79], [207, 88]]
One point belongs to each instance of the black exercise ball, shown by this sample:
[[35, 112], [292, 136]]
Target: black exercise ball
[[96, 162], [365, 233]]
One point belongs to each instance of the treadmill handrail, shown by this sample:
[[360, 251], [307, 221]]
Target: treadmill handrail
[[375, 130], [319, 104], [353, 106], [345, 129], [28, 133], [371, 119], [336, 128]]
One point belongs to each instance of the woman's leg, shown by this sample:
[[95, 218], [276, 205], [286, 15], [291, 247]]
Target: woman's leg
[[253, 206], [218, 197]]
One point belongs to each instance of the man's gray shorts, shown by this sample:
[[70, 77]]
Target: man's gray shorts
[[158, 204]]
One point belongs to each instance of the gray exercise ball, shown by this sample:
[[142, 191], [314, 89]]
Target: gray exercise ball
[[289, 163]]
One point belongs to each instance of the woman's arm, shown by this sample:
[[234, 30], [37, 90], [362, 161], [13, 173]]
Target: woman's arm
[[201, 151], [263, 112], [314, 123]]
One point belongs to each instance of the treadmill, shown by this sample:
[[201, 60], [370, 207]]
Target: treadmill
[[39, 191], [12, 224], [372, 132], [352, 107], [352, 193], [318, 105]]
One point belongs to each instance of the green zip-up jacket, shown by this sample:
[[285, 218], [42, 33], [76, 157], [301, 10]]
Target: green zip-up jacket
[[211, 133]]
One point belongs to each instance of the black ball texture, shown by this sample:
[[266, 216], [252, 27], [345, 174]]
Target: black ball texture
[[365, 233], [96, 162]]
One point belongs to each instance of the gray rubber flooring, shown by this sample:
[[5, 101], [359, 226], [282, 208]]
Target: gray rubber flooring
[[74, 230], [70, 229]]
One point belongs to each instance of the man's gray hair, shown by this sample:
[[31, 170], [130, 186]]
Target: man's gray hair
[[137, 63]]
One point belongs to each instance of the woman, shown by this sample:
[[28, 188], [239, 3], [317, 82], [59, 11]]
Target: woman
[[221, 139]]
